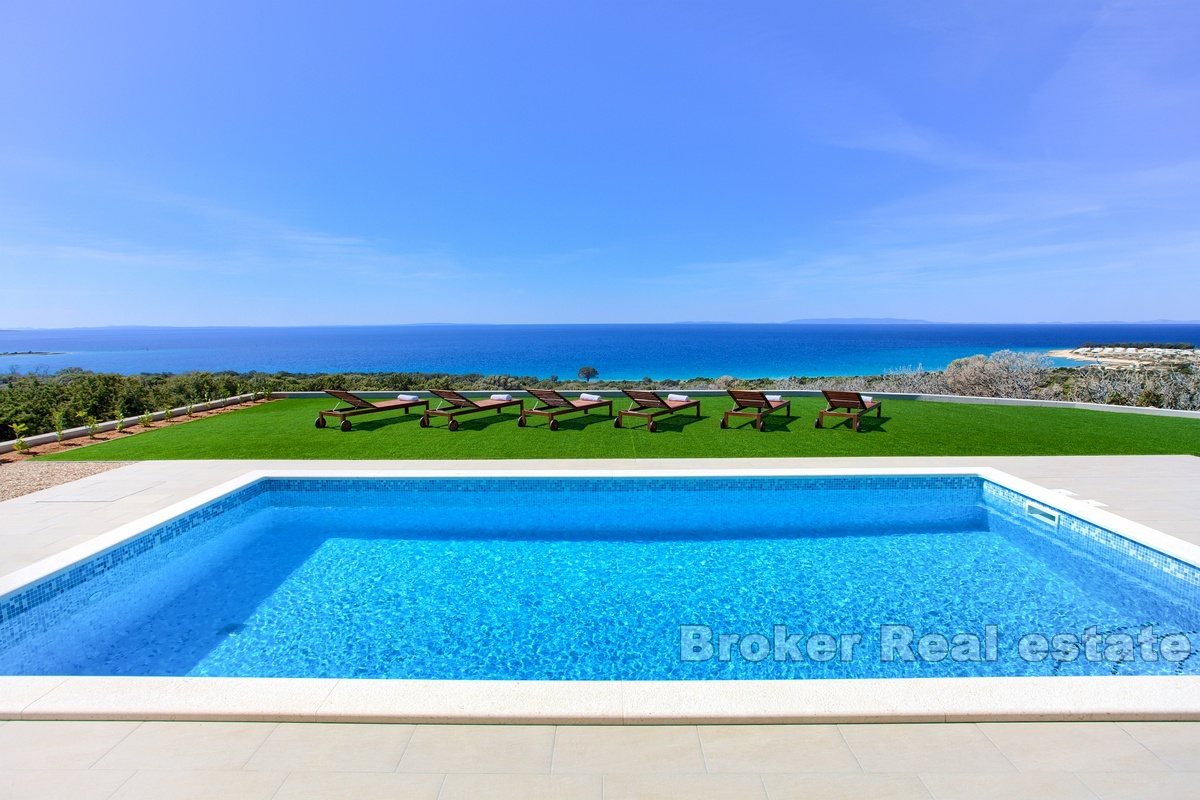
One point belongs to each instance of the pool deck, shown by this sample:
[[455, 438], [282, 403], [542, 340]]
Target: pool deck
[[129, 759]]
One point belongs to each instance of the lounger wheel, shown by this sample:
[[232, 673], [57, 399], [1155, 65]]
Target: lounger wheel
[[724, 423], [761, 425], [817, 424], [345, 426], [453, 425], [650, 426], [617, 422], [553, 424], [424, 421], [520, 422], [320, 423]]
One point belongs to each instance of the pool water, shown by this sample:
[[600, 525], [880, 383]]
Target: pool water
[[612, 579]]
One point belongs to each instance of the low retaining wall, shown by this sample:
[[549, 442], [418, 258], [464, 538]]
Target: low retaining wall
[[101, 427], [74, 433]]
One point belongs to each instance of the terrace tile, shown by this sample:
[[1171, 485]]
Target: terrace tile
[[807, 786], [633, 749], [59, 745], [776, 748], [359, 786], [522, 787], [480, 748], [694, 787], [200, 785], [925, 747], [964, 786], [1155, 785], [343, 747], [1177, 743], [1071, 747], [188, 745], [76, 784]]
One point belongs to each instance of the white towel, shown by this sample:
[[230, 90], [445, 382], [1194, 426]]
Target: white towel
[[502, 397], [775, 398], [408, 397], [679, 398], [591, 398], [866, 398]]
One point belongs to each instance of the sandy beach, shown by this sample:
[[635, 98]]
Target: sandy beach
[[1157, 357]]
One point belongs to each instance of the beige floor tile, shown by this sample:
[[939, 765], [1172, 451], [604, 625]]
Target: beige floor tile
[[776, 748], [1142, 786], [200, 785], [628, 749], [1177, 743], [317, 746], [188, 745], [962, 786], [1071, 747], [811, 786], [358, 786], [521, 787], [479, 748], [693, 787], [934, 747], [76, 784], [59, 745]]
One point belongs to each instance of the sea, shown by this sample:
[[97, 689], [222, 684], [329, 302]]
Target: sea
[[617, 352]]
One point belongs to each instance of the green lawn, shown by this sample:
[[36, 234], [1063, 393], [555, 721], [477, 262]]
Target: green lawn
[[284, 429]]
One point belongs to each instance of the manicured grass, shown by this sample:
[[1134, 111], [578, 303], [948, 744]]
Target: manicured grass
[[284, 429]]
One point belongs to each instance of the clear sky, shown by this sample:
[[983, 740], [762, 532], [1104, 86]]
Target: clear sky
[[264, 163]]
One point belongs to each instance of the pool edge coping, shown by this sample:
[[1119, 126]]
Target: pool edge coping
[[600, 702]]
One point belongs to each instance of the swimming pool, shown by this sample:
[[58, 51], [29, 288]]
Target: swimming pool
[[601, 578]]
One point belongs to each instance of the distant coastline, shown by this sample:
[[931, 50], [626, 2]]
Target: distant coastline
[[618, 352]]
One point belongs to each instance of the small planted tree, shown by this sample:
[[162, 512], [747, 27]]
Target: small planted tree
[[59, 420], [19, 443], [588, 373]]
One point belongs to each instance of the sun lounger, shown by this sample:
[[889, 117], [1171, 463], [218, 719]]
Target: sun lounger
[[755, 405], [648, 405], [461, 404], [552, 404], [848, 404], [360, 406]]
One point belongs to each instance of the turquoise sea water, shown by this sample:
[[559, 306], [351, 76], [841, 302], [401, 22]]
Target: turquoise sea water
[[599, 579], [617, 351]]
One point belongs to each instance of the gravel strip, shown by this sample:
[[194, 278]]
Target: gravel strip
[[26, 477]]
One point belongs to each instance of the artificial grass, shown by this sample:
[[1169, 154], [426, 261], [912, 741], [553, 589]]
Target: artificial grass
[[284, 429]]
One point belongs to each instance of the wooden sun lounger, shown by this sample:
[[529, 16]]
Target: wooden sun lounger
[[552, 404], [848, 404], [648, 405], [360, 406], [755, 405], [461, 404]]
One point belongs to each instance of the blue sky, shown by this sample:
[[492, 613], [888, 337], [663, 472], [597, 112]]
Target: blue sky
[[295, 163]]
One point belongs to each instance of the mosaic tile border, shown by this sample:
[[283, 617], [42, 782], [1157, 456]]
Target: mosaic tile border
[[27, 598], [1142, 561]]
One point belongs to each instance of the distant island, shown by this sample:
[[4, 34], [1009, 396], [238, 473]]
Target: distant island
[[31, 353], [857, 321]]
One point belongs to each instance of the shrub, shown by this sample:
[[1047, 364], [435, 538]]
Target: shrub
[[1149, 398], [1002, 374]]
